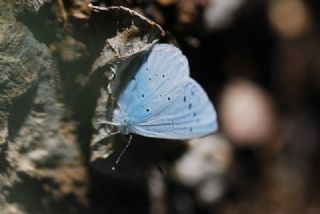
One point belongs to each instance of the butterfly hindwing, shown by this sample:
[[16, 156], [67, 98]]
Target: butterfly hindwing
[[190, 115]]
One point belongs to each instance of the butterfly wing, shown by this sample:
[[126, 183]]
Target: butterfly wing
[[153, 83], [189, 115], [164, 102]]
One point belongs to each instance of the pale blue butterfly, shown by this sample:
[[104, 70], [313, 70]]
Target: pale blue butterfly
[[163, 101]]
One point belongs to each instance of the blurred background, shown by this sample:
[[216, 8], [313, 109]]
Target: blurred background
[[259, 63]]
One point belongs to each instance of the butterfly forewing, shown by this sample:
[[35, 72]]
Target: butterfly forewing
[[157, 80]]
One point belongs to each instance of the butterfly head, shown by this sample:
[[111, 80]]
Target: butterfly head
[[119, 117]]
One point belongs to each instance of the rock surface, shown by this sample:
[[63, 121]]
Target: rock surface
[[40, 162]]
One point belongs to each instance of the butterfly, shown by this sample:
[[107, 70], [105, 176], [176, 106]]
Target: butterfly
[[163, 101]]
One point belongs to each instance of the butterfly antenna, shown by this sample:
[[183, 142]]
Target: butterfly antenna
[[122, 152]]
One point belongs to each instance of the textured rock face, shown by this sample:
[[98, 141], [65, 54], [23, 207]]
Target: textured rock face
[[32, 6], [40, 162]]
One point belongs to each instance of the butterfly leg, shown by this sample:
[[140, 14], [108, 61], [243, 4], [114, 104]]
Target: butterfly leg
[[104, 129], [103, 122]]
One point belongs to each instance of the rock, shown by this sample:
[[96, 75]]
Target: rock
[[40, 165]]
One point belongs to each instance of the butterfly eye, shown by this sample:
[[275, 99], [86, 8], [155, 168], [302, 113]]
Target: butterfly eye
[[147, 110], [163, 75], [184, 99], [190, 105], [168, 98], [142, 95]]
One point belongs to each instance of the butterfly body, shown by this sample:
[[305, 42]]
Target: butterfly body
[[163, 101]]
